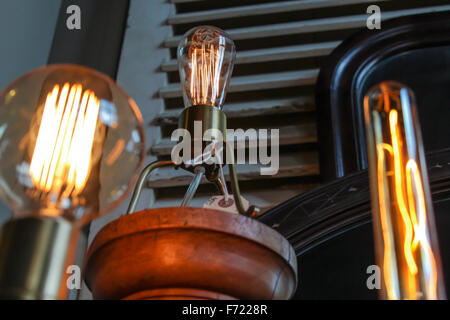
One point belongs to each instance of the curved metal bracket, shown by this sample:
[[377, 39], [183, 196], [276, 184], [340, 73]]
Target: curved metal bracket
[[143, 176], [251, 212]]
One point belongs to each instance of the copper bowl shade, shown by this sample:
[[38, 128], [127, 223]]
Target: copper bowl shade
[[190, 253]]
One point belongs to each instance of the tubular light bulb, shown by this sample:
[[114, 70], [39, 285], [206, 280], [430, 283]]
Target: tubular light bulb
[[71, 142], [206, 58], [405, 236]]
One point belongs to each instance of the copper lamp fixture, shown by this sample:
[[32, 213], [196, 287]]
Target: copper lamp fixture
[[185, 252]]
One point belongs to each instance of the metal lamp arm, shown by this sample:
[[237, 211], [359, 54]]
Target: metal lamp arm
[[251, 212], [142, 178]]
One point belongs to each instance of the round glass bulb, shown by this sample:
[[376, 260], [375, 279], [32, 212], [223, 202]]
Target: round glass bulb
[[71, 143], [206, 58]]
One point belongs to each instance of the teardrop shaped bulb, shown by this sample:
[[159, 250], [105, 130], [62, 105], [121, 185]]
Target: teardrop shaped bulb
[[206, 57]]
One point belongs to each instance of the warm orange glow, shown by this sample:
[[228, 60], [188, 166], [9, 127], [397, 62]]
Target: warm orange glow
[[406, 248], [388, 273], [61, 159], [206, 65], [419, 218], [115, 152], [410, 202], [399, 191]]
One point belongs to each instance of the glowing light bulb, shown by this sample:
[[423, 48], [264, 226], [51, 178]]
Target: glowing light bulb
[[71, 146], [405, 235], [71, 143], [206, 59]]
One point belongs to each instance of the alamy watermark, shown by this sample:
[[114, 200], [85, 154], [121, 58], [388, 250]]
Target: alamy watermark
[[373, 281], [374, 20], [73, 281], [258, 150], [73, 21]]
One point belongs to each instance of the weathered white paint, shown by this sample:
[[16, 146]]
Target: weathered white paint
[[295, 164], [250, 109]]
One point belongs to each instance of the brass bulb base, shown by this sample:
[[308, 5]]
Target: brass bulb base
[[210, 118], [214, 122], [34, 255]]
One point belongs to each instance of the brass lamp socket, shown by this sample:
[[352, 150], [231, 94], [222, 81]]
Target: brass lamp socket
[[209, 117], [34, 255]]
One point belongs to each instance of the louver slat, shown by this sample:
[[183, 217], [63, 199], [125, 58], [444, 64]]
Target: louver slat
[[248, 109], [289, 135], [261, 9], [317, 25], [273, 54], [291, 165], [256, 82]]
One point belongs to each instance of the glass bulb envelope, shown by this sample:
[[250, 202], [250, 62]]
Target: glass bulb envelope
[[404, 227], [71, 143], [206, 57]]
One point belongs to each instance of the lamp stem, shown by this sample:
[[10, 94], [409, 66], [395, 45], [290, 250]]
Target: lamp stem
[[34, 255], [193, 186]]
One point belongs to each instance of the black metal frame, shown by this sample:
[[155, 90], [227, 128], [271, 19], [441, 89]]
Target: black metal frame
[[342, 147], [314, 217]]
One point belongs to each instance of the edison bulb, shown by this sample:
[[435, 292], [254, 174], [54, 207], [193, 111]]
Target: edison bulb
[[406, 244], [71, 143], [206, 57]]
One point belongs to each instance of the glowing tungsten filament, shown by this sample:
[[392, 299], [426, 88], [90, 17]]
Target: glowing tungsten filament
[[399, 189], [389, 264], [415, 226], [206, 57], [402, 212], [62, 153], [419, 218], [59, 127], [206, 62]]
